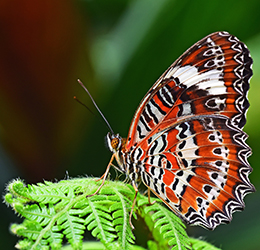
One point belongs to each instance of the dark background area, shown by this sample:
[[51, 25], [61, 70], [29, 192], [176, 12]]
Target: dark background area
[[118, 49]]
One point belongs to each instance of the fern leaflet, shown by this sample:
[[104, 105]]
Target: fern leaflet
[[170, 227]]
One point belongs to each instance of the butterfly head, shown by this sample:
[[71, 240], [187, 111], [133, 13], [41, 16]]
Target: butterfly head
[[115, 142]]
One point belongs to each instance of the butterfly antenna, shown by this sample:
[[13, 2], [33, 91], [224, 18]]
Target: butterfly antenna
[[104, 119], [83, 104]]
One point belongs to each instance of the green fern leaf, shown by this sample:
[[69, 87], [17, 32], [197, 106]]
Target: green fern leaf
[[72, 227], [98, 219], [163, 222], [46, 193], [31, 231], [55, 210], [123, 196], [202, 245]]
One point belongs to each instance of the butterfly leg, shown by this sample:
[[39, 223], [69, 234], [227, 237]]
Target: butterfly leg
[[133, 206], [104, 176], [149, 197]]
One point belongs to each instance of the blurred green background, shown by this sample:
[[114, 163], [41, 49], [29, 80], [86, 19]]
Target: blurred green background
[[118, 49]]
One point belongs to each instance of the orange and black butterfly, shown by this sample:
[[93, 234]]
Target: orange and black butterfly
[[186, 140]]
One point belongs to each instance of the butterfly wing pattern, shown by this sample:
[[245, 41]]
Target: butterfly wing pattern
[[186, 140]]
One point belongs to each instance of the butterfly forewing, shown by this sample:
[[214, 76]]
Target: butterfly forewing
[[186, 137]]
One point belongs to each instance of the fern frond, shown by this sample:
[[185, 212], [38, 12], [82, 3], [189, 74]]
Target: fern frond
[[164, 225], [123, 199], [56, 213], [202, 245], [98, 219]]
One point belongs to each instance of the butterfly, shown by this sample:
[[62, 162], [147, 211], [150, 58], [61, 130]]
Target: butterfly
[[186, 141]]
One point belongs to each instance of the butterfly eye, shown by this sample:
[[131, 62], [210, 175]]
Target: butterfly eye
[[115, 143]]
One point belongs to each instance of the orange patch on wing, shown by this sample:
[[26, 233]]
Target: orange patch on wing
[[190, 196], [168, 177], [171, 195]]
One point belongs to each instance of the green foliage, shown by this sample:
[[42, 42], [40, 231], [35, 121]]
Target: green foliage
[[59, 213], [166, 227], [201, 245]]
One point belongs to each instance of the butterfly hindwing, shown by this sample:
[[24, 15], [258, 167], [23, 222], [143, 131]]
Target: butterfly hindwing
[[197, 170]]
